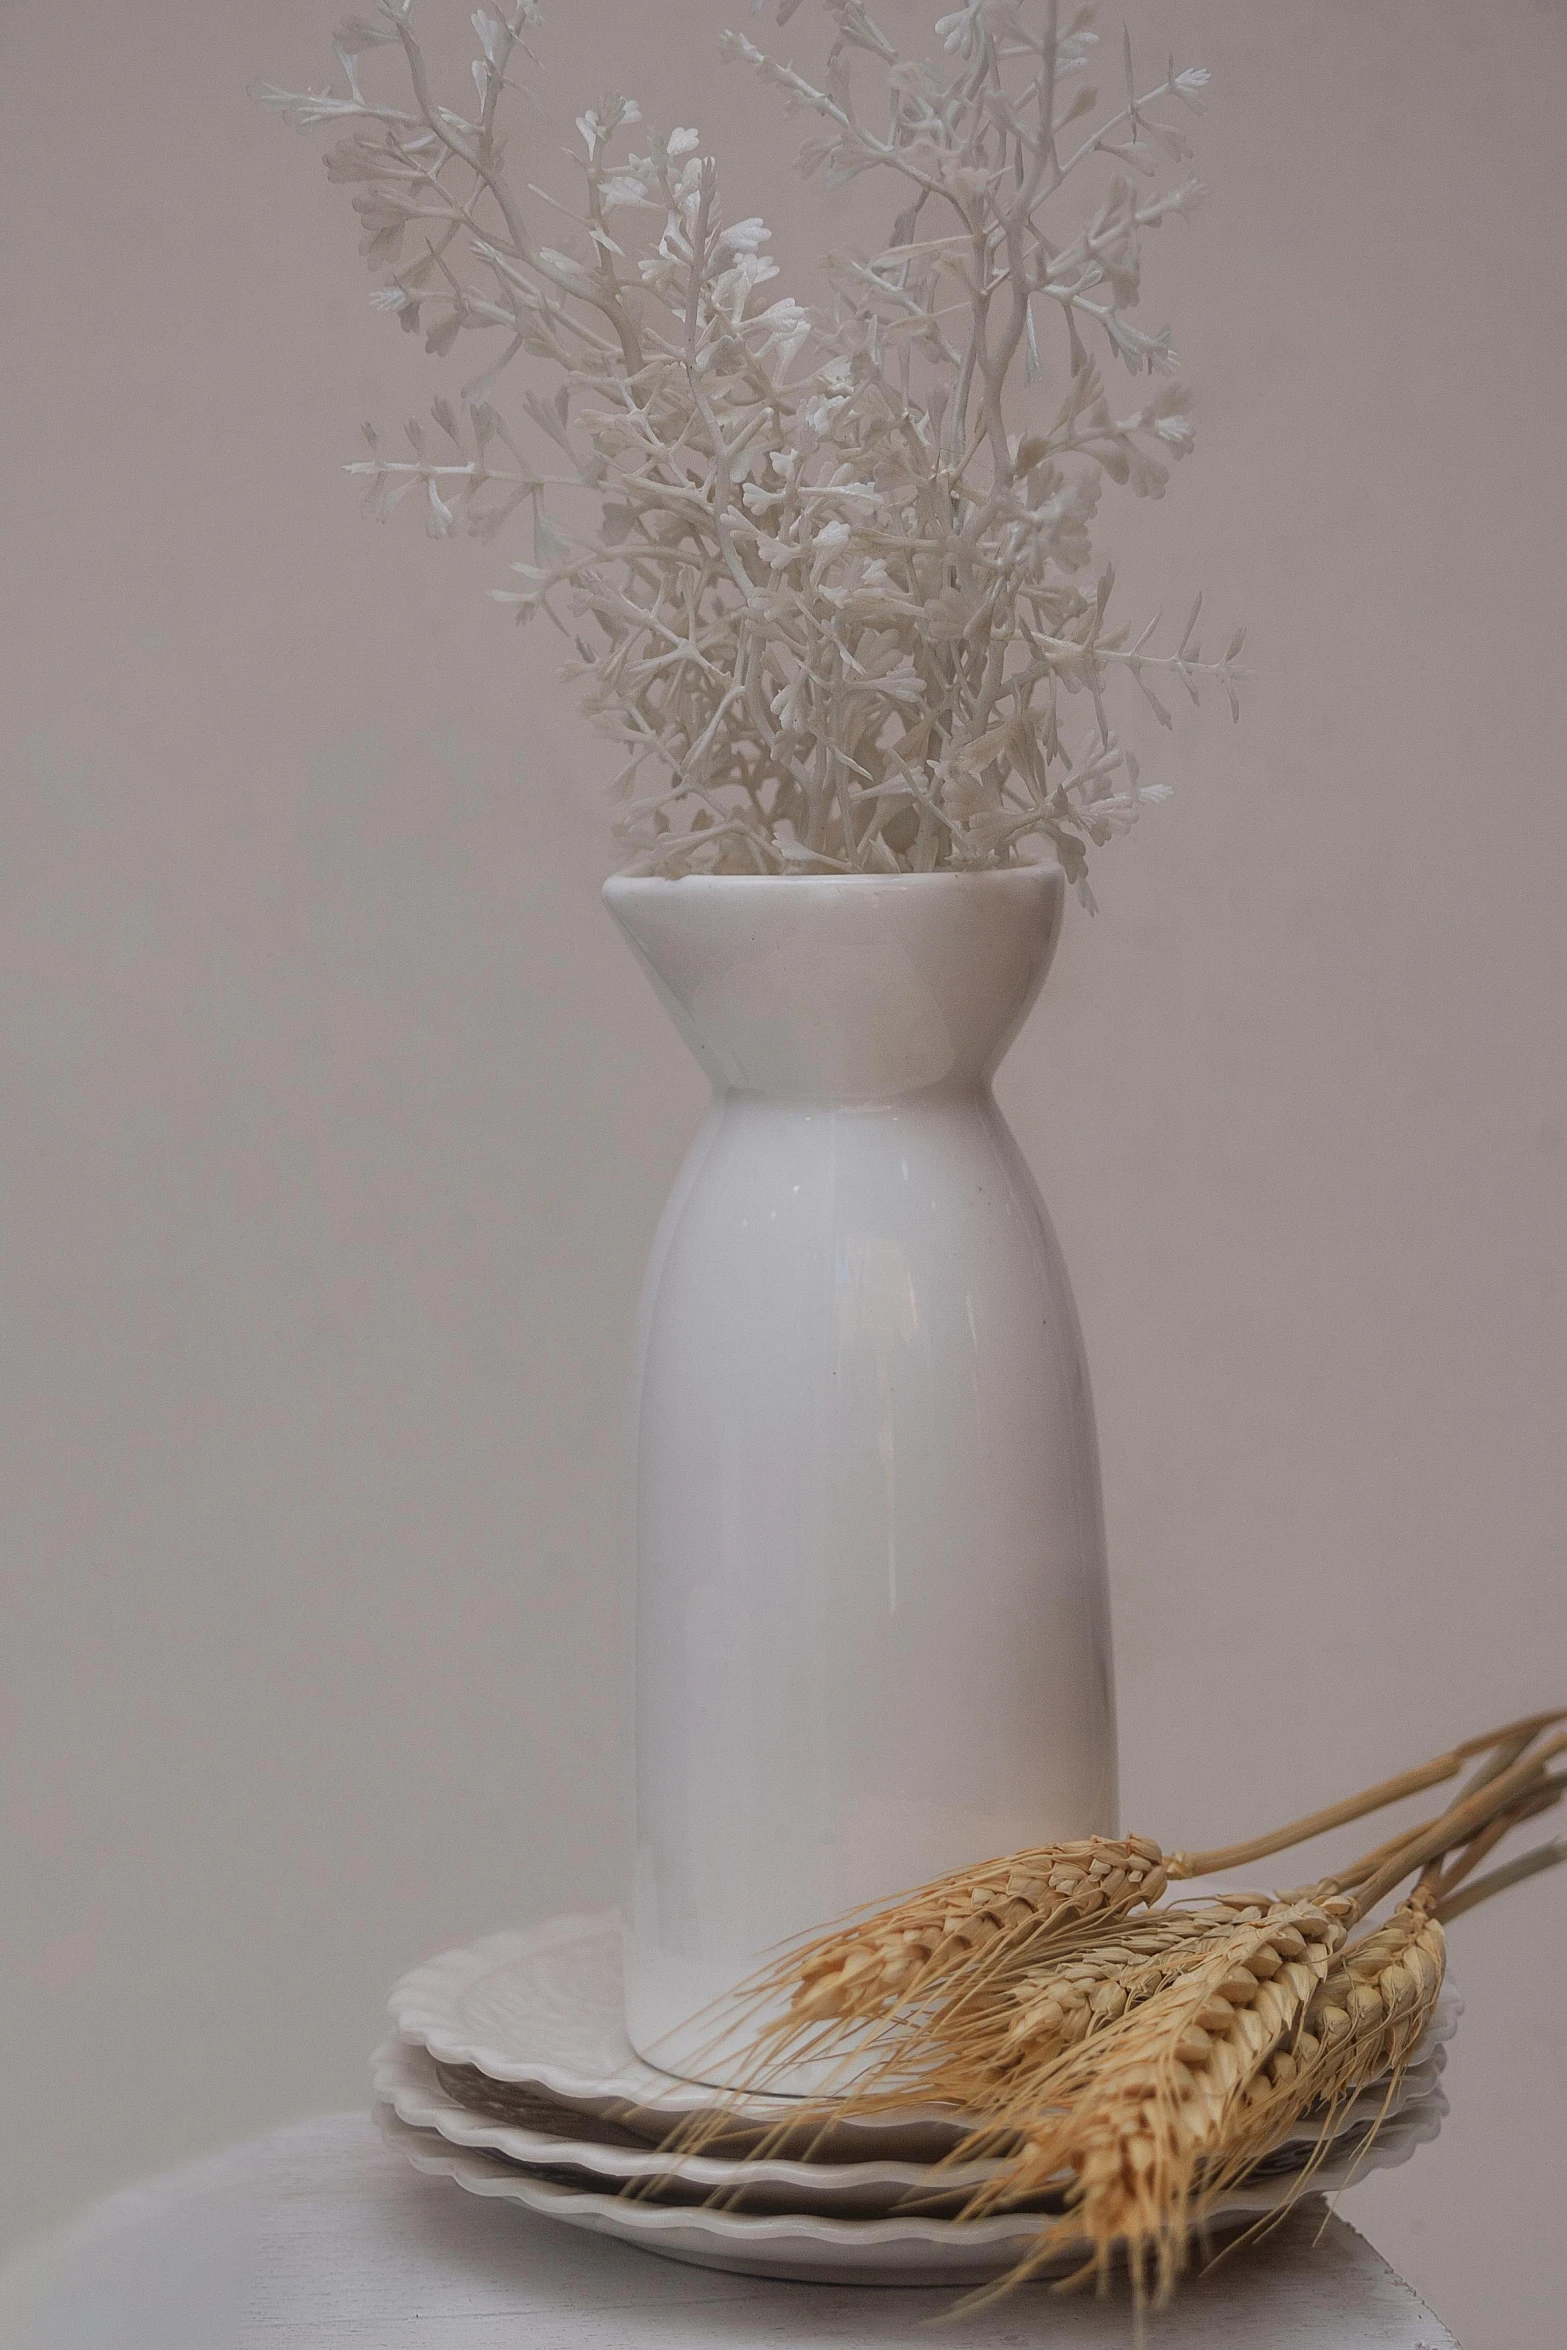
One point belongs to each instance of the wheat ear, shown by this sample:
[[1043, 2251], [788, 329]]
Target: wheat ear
[[971, 1928], [1006, 2025], [977, 2045], [1129, 2117]]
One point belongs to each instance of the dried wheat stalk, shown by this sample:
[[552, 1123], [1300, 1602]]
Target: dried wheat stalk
[[827, 2001], [995, 1916], [1155, 2119], [1280, 2022], [1143, 2064], [1056, 2006], [1128, 2114], [881, 1990]]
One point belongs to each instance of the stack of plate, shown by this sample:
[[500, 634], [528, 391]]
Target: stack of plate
[[511, 2073]]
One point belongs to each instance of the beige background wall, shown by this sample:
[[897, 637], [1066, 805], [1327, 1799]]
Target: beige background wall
[[336, 1119]]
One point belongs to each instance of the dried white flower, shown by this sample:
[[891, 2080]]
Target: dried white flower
[[834, 600]]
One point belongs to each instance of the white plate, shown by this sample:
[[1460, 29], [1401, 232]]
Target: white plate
[[901, 2250], [541, 2008], [565, 2139], [560, 2139]]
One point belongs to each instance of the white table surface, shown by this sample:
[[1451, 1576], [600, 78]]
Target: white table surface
[[317, 2237]]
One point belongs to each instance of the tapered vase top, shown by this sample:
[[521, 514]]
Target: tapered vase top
[[851, 987]]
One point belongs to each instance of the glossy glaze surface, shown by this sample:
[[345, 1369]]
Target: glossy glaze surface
[[872, 1630]]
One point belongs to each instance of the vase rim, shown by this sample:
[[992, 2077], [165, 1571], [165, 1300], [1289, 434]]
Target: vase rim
[[812, 990], [984, 875]]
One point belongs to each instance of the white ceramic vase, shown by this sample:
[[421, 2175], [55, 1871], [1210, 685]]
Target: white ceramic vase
[[872, 1632]]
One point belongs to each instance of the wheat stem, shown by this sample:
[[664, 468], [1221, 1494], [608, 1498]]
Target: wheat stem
[[1528, 1864], [1511, 1740]]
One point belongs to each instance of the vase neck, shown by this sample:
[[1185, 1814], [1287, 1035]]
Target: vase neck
[[853, 989]]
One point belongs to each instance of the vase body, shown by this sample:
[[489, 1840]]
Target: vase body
[[872, 1631]]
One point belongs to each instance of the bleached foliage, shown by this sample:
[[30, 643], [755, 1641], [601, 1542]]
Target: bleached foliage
[[833, 593]]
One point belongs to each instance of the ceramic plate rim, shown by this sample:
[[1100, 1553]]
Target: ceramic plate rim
[[807, 2233], [422, 2102]]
